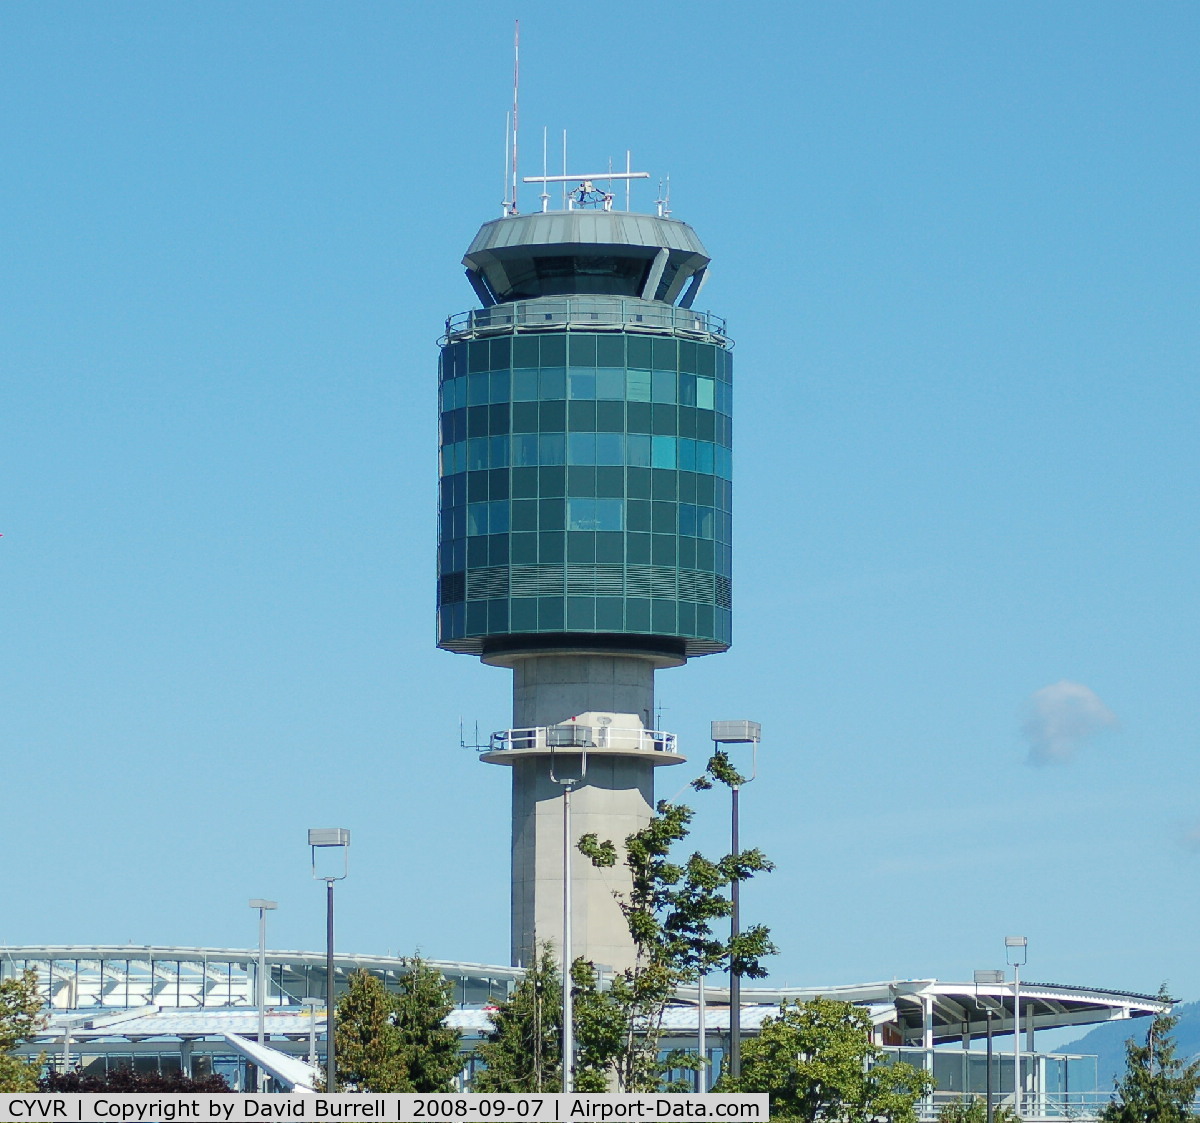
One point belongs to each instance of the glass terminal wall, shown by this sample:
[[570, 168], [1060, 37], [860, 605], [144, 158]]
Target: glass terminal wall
[[585, 487]]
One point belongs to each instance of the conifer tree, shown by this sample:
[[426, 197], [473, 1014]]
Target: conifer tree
[[1158, 1086], [428, 1047], [523, 1050], [368, 1043]]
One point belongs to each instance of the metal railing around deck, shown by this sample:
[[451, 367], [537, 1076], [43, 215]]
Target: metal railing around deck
[[572, 736], [585, 313]]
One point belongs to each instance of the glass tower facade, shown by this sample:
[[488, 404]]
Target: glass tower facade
[[585, 476]]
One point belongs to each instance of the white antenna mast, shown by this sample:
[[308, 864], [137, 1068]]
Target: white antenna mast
[[545, 196], [515, 121], [564, 178], [504, 169], [628, 169]]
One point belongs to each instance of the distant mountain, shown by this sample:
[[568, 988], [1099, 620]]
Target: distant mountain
[[1107, 1041]]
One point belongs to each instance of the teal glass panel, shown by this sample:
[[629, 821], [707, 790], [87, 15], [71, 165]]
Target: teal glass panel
[[551, 514], [610, 548], [637, 450], [705, 522], [639, 351], [637, 614], [610, 481], [581, 448], [498, 386], [610, 417], [551, 550], [552, 383], [638, 515], [498, 517], [610, 383], [524, 450], [581, 416], [609, 614], [554, 351], [704, 456], [610, 448], [707, 358], [478, 389], [523, 614], [581, 480], [524, 515], [723, 462], [479, 356], [581, 614], [662, 616], [583, 350], [663, 387], [687, 519], [582, 384], [637, 385], [498, 458], [581, 547], [595, 514], [663, 452], [687, 356], [477, 453], [524, 385], [552, 448], [687, 389], [704, 393], [637, 549], [525, 417], [666, 355], [477, 518], [525, 351], [552, 481], [687, 619], [610, 350], [501, 353], [550, 614], [524, 483], [687, 455]]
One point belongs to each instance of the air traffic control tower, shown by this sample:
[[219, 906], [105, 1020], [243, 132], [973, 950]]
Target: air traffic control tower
[[584, 524]]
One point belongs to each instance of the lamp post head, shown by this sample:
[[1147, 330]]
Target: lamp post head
[[259, 903], [322, 838], [736, 732], [1014, 947]]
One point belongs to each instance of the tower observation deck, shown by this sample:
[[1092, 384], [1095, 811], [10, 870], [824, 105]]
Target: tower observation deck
[[585, 517]]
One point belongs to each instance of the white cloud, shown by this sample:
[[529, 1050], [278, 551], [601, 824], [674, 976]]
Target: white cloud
[[1061, 718]]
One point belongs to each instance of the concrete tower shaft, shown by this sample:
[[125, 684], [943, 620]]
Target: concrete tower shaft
[[585, 518]]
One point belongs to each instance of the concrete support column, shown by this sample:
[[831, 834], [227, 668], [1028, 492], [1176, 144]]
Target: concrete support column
[[615, 799]]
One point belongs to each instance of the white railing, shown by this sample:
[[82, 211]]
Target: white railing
[[584, 313], [547, 738]]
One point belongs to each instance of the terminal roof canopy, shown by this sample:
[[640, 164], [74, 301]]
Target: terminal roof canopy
[[604, 253]]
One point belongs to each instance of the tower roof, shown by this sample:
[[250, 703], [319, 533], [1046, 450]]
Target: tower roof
[[596, 252]]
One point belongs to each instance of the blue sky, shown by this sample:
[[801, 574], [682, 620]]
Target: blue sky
[[957, 246]]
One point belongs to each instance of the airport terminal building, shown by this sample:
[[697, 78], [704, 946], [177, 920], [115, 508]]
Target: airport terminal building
[[193, 1010]]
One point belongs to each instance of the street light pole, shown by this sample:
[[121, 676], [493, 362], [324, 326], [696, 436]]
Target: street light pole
[[736, 733], [568, 1015], [329, 838], [993, 978], [1015, 952], [260, 987]]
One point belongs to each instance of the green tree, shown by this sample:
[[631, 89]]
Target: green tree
[[1158, 1086], [817, 1062], [428, 1047], [669, 911], [523, 1050], [368, 1043], [21, 1017], [974, 1110]]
